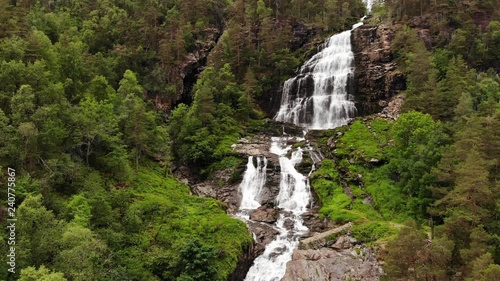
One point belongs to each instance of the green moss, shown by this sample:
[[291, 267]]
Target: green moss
[[357, 191], [327, 170], [361, 141], [358, 142], [298, 144], [364, 140]]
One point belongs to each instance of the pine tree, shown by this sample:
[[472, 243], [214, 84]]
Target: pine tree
[[22, 105], [203, 105], [458, 80], [472, 192]]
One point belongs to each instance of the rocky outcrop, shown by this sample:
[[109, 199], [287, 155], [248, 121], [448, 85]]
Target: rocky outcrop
[[314, 222], [328, 264], [255, 146], [244, 263], [376, 77], [331, 256], [302, 35], [263, 234], [195, 61]]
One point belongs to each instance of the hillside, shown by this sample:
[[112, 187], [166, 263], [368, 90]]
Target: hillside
[[125, 128]]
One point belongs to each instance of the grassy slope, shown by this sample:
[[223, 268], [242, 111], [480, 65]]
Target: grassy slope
[[356, 169], [168, 217]]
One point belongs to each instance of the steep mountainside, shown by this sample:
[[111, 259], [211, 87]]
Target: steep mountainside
[[119, 119]]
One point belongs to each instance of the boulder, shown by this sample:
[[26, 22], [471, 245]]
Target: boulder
[[264, 214], [344, 242]]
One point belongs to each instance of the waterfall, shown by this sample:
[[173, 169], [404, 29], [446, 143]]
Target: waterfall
[[252, 184], [369, 5], [293, 198], [317, 98]]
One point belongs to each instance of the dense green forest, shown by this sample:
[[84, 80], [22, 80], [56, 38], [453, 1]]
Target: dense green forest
[[435, 184], [91, 119], [448, 168], [85, 85]]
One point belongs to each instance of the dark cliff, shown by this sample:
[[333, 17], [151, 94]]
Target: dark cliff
[[376, 78], [304, 39]]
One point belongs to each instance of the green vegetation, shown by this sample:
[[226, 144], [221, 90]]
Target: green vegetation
[[149, 230], [454, 177], [370, 232], [91, 119], [352, 177], [421, 174], [436, 168], [203, 133]]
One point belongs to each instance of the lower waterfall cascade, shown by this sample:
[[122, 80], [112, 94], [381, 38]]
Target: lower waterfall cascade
[[317, 98], [253, 182], [293, 199]]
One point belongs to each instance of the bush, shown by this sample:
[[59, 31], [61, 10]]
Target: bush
[[371, 232]]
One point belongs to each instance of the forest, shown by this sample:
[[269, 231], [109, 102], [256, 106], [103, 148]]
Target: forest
[[97, 115]]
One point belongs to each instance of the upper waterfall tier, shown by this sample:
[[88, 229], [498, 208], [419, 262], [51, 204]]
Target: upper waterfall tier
[[317, 98]]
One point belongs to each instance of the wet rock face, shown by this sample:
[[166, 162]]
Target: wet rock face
[[263, 234], [264, 214], [245, 262], [376, 78]]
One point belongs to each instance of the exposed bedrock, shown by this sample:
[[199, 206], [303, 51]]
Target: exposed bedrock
[[195, 61], [376, 77], [333, 264]]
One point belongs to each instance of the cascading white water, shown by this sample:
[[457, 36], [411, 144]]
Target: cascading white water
[[293, 198], [317, 98], [253, 182], [369, 5]]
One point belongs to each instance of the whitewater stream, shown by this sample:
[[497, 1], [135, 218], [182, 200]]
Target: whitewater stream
[[317, 98], [292, 200]]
